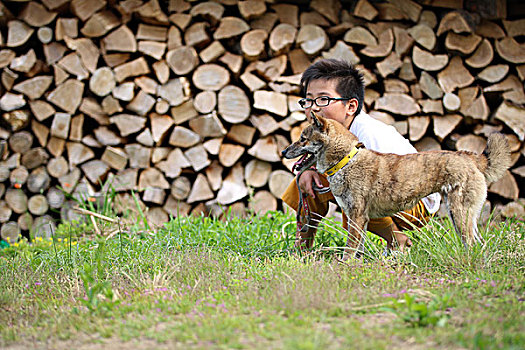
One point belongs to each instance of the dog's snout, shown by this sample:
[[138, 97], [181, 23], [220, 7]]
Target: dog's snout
[[283, 152]]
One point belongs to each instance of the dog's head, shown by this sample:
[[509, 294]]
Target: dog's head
[[313, 139]]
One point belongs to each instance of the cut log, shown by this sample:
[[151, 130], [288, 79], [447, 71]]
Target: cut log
[[6, 56], [430, 86], [265, 124], [211, 77], [279, 181], [457, 21], [478, 109], [78, 153], [198, 157], [403, 40], [263, 202], [465, 44], [73, 65], [200, 191], [41, 109], [180, 188], [5, 212], [281, 38], [360, 36], [252, 44], [252, 81], [154, 195], [272, 102], [489, 29], [25, 222], [131, 69], [364, 9], [257, 173], [60, 125], [16, 199], [427, 144], [66, 27], [208, 10], [152, 178], [96, 26], [384, 46], [287, 13], [432, 106], [455, 75], [17, 119], [145, 138], [196, 35], [57, 167], [18, 33], [40, 131], [451, 102], [265, 149], [495, 73], [37, 15], [424, 36], [139, 156], [513, 28], [56, 146], [242, 134], [8, 78], [214, 175], [389, 65], [510, 83], [128, 123], [10, 102], [24, 63], [162, 71], [312, 39], [142, 103], [18, 176], [506, 187], [510, 50], [229, 154], [116, 158], [85, 9], [230, 27], [427, 61], [417, 127], [102, 81], [20, 142], [182, 137], [251, 9], [482, 56], [37, 205], [68, 95], [212, 52], [234, 105], [471, 143], [397, 103], [205, 101], [121, 39], [234, 62], [10, 232], [45, 35], [513, 117], [342, 51], [107, 137], [34, 88], [212, 146], [233, 187]]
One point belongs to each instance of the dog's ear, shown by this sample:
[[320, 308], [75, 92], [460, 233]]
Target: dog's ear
[[318, 121]]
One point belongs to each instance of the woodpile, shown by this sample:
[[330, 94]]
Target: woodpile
[[189, 103]]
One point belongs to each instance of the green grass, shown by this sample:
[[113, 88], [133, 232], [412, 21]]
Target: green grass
[[238, 283]]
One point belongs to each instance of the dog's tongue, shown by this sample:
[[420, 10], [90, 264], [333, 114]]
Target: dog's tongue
[[299, 162]]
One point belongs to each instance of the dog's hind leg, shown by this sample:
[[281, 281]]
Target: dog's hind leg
[[453, 215]]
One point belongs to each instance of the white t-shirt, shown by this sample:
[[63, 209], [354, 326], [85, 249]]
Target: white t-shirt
[[380, 137]]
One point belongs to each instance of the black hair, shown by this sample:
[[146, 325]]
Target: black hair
[[350, 82]]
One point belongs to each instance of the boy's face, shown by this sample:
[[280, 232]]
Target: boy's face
[[341, 111]]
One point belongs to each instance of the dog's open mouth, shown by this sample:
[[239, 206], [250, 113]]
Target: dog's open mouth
[[305, 162]]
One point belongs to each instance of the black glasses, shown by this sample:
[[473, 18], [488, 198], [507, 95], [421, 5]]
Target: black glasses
[[321, 101]]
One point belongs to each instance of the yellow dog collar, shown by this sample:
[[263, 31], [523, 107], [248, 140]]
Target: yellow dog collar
[[341, 163]]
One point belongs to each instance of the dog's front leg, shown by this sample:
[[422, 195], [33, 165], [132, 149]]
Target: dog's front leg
[[355, 212]]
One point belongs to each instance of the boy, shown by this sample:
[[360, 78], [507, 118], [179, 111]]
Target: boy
[[334, 89]]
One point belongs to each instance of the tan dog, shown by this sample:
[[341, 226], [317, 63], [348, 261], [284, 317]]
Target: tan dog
[[372, 184]]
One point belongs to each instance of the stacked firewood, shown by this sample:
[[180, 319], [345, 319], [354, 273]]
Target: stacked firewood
[[187, 104]]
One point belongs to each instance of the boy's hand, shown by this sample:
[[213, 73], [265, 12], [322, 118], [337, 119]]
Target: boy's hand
[[307, 181]]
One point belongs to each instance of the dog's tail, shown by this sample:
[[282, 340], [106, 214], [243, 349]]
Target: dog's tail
[[498, 157]]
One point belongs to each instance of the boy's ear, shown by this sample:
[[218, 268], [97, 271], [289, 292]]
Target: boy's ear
[[318, 121]]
